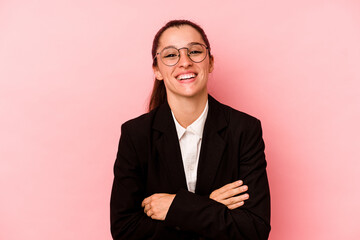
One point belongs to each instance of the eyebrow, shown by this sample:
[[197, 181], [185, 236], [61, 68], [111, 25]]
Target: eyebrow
[[189, 44]]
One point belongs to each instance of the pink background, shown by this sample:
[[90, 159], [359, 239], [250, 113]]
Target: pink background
[[71, 72]]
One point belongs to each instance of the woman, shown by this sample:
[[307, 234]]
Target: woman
[[191, 168]]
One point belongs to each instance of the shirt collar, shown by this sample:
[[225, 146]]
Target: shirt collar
[[197, 127]]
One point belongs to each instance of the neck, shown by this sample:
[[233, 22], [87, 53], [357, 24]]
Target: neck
[[187, 109]]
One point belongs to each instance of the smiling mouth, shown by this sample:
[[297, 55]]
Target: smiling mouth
[[186, 76]]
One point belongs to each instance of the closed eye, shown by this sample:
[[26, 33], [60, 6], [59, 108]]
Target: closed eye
[[170, 56], [195, 52]]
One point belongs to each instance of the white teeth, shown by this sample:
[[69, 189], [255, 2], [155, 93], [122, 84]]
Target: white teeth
[[186, 76]]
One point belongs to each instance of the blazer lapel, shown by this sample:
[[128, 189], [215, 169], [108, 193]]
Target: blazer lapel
[[212, 147], [168, 148]]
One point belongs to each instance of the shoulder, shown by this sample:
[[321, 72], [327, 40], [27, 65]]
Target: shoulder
[[235, 119], [242, 126], [139, 124]]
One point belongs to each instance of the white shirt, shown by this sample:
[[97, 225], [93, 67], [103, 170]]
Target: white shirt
[[190, 145]]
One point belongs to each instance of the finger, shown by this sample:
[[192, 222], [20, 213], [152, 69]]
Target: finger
[[230, 186], [146, 201], [234, 192], [151, 198], [146, 208], [235, 205], [234, 200], [149, 213], [230, 193], [153, 216]]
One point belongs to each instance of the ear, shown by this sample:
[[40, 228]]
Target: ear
[[211, 64], [157, 73]]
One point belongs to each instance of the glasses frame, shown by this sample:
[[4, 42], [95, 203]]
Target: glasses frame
[[187, 53]]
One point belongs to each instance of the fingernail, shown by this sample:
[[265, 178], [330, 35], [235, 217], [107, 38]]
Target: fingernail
[[240, 182], [245, 187]]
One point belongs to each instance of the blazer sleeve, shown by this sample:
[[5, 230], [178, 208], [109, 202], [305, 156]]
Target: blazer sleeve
[[213, 220], [128, 220]]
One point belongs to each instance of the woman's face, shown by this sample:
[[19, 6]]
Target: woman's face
[[186, 78]]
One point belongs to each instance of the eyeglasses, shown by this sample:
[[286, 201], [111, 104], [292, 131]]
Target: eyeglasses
[[170, 56]]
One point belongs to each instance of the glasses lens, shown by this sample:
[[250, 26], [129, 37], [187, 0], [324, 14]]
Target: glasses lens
[[169, 56], [197, 52]]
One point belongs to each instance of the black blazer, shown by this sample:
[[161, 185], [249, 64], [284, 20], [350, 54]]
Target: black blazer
[[149, 161]]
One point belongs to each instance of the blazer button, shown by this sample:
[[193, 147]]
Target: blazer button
[[177, 228]]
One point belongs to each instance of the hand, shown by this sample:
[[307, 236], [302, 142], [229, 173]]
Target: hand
[[229, 194], [157, 205]]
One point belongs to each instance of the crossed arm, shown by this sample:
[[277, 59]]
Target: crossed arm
[[232, 195]]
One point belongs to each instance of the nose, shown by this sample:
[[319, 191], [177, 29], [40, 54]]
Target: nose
[[184, 60]]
